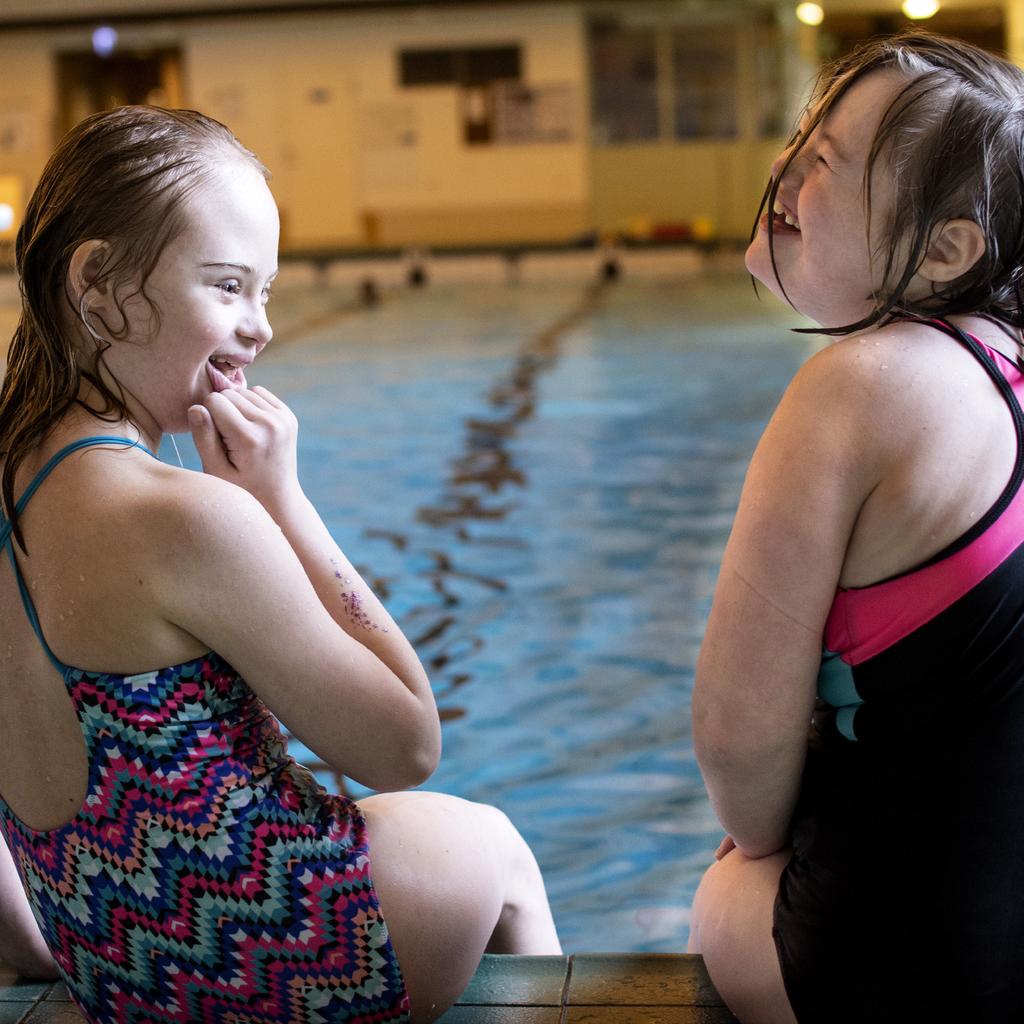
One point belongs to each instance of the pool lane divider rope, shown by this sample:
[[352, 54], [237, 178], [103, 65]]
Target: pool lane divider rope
[[485, 470]]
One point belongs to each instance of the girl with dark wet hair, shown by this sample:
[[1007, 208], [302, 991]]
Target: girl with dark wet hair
[[873, 584], [161, 851]]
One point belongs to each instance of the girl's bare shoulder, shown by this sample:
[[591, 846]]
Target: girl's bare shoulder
[[891, 372]]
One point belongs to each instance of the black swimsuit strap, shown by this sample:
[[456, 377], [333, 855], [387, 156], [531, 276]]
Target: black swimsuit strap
[[975, 347]]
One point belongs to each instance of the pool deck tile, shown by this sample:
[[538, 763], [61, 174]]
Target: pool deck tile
[[502, 1015], [518, 981], [648, 1015], [54, 1013], [16, 990], [640, 979], [591, 988], [587, 988]]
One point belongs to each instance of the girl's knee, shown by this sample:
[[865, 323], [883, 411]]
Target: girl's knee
[[731, 926]]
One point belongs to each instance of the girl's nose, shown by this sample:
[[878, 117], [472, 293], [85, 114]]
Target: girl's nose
[[257, 327], [788, 172]]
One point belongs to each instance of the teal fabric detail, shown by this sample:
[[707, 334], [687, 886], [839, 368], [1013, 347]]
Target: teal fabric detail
[[844, 721], [837, 688], [835, 681]]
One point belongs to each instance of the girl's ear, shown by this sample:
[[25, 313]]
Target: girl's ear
[[85, 267], [954, 248]]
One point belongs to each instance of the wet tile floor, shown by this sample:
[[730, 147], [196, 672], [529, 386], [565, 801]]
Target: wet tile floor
[[588, 988]]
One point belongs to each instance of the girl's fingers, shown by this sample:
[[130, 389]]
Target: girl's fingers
[[268, 396], [227, 414], [242, 404], [254, 398], [208, 441], [252, 405]]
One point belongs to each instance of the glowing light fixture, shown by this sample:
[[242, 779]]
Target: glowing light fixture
[[920, 9], [104, 40], [6, 216], [810, 14]]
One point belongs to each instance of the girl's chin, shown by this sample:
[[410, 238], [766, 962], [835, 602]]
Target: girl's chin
[[758, 260], [761, 270]]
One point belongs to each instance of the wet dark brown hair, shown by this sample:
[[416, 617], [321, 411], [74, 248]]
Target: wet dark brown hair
[[121, 176], [953, 143]]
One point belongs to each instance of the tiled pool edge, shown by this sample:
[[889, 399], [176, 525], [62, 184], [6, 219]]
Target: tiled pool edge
[[585, 988]]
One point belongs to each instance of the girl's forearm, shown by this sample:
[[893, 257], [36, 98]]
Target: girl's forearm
[[753, 793], [343, 592]]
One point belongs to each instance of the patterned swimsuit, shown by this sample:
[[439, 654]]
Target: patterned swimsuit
[[904, 897], [207, 877]]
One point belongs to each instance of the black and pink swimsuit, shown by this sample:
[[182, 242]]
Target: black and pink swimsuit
[[904, 898]]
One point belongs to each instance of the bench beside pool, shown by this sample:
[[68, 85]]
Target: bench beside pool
[[587, 988]]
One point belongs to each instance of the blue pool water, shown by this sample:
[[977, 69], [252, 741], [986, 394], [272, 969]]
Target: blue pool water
[[540, 479]]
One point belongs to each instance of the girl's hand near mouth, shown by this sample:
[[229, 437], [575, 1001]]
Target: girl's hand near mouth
[[248, 437]]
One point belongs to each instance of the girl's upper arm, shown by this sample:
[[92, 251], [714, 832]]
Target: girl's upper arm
[[239, 588], [822, 453]]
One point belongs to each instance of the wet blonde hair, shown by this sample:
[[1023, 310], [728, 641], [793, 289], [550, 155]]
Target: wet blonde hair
[[121, 176]]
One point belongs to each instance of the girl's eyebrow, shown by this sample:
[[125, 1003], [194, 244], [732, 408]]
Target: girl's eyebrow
[[242, 267]]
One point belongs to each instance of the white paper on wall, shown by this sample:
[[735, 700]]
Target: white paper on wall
[[17, 130], [534, 113], [389, 138]]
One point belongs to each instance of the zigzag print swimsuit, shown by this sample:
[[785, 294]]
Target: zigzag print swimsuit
[[207, 877]]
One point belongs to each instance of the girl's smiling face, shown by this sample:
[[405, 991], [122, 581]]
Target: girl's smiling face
[[823, 249], [210, 288]]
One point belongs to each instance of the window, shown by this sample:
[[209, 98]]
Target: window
[[464, 66], [768, 73], [483, 66], [427, 67], [679, 80], [474, 70], [706, 85], [624, 83]]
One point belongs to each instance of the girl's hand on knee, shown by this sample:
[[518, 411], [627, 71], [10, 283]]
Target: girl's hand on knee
[[248, 437]]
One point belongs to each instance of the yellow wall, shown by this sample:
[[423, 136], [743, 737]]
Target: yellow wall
[[317, 98], [27, 113], [321, 105], [721, 182]]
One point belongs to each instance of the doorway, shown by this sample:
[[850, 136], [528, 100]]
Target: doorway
[[88, 83]]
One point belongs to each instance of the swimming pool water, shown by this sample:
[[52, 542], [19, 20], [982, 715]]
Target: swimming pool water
[[539, 480]]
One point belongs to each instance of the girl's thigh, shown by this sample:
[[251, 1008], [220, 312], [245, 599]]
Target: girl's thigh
[[732, 927], [449, 875]]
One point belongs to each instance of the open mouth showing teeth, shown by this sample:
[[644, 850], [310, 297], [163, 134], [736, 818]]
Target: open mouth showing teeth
[[782, 220], [225, 374]]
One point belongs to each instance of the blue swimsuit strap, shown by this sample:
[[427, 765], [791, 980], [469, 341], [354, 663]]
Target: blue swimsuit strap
[[6, 528]]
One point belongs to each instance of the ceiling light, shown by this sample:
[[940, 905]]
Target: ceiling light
[[810, 14], [104, 41], [919, 9]]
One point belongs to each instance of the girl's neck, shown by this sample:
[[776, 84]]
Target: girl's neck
[[88, 416]]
